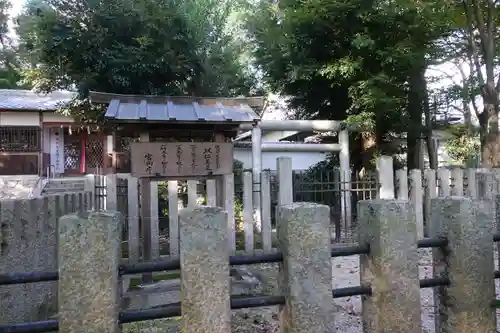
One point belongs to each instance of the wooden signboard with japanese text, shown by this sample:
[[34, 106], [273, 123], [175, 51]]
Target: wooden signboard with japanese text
[[181, 159]]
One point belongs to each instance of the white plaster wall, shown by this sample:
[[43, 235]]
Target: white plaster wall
[[277, 135], [300, 160], [24, 118], [52, 117]]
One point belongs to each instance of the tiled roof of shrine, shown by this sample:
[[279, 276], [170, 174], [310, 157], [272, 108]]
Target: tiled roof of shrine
[[131, 108], [16, 99]]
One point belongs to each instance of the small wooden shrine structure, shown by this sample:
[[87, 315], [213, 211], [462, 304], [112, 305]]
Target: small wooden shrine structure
[[177, 138]]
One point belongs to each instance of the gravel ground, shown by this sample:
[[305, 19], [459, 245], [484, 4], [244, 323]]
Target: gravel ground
[[348, 310]]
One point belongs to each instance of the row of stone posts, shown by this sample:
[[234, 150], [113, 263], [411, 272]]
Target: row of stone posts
[[89, 256]]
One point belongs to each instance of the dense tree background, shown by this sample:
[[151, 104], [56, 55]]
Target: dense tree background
[[132, 47], [10, 66], [364, 61]]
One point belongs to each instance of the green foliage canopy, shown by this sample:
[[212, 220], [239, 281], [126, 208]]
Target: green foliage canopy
[[151, 47]]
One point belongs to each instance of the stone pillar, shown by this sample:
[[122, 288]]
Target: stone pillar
[[192, 193], [486, 184], [204, 253], [430, 193], [487, 189], [266, 210], [134, 247], [27, 244], [256, 175], [248, 225], [111, 192], [154, 220], [471, 190], [173, 217], [211, 193], [285, 180], [145, 224], [417, 198], [90, 188], [385, 169], [457, 182], [391, 268], [228, 204], [306, 273], [465, 305], [89, 255], [444, 182], [402, 184], [345, 178]]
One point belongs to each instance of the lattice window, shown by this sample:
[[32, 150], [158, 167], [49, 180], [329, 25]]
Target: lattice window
[[72, 155], [94, 152], [20, 138]]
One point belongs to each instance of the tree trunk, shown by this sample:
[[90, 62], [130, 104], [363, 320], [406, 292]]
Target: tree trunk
[[416, 98], [431, 147], [369, 149], [481, 21], [490, 145]]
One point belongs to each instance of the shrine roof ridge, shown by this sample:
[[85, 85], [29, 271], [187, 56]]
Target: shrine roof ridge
[[137, 108]]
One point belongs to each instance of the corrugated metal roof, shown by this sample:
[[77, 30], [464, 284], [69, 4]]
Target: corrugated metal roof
[[179, 112], [12, 99]]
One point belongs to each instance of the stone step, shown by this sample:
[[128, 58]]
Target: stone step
[[64, 185], [59, 184]]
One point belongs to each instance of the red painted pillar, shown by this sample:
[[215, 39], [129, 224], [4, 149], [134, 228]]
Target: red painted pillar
[[83, 152]]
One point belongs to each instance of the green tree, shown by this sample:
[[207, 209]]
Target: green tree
[[463, 146], [9, 62], [473, 48], [218, 44], [151, 47], [364, 61], [478, 21]]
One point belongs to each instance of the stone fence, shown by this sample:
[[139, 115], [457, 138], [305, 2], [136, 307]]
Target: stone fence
[[28, 242], [252, 229], [89, 275], [420, 187]]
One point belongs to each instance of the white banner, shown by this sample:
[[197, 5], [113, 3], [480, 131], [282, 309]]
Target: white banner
[[57, 149]]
